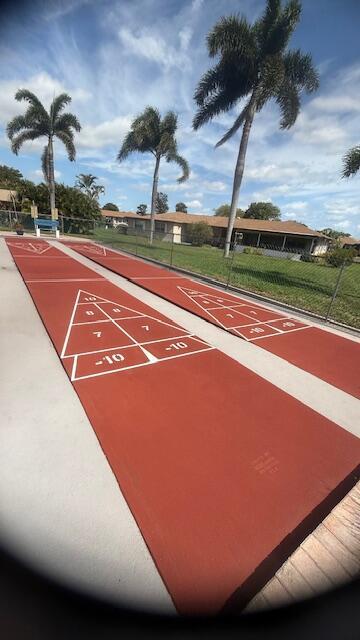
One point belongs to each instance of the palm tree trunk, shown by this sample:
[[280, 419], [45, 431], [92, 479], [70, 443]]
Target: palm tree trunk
[[239, 171], [51, 175], [153, 198]]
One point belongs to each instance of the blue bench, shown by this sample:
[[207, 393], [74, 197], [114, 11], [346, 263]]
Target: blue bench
[[43, 223]]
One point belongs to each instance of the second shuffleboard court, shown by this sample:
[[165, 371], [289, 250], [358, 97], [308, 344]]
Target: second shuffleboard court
[[224, 479], [328, 356]]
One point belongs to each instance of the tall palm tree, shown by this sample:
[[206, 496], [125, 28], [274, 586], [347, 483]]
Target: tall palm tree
[[150, 133], [36, 123], [254, 64], [351, 162], [86, 183]]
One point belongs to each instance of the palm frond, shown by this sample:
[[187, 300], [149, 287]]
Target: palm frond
[[18, 141], [129, 145], [209, 82], [271, 79], [351, 162], [24, 94], [67, 121], [68, 144], [174, 157], [15, 125], [277, 36], [168, 124], [45, 164], [232, 33], [289, 102], [237, 124], [299, 70], [218, 103], [58, 104]]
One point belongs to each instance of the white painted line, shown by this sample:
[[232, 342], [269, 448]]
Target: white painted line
[[131, 346], [144, 364], [157, 278], [281, 333], [69, 326]]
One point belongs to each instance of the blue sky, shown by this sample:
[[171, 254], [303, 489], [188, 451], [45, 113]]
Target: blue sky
[[116, 57]]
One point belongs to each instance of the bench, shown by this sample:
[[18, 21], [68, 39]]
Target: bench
[[52, 225]]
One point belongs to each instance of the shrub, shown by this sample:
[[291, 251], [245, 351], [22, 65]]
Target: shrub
[[253, 250], [199, 233], [337, 257]]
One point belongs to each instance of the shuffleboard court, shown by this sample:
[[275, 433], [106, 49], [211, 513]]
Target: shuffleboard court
[[225, 480], [328, 356]]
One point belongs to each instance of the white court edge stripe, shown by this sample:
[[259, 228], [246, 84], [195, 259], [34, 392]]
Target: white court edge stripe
[[135, 366]]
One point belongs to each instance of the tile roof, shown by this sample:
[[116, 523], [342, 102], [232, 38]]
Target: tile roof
[[242, 224]]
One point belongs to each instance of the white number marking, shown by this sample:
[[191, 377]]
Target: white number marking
[[145, 326], [288, 324], [176, 346], [97, 333], [116, 357], [257, 330], [89, 313], [90, 299]]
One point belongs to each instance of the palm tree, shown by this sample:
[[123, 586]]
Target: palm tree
[[36, 123], [86, 183], [351, 162], [150, 133], [254, 64]]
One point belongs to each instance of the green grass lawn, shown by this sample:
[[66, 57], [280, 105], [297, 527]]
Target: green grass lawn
[[302, 284]]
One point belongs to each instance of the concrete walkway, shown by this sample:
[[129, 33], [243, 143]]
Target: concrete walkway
[[61, 509]]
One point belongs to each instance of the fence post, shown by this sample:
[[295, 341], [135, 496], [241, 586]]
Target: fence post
[[335, 291], [172, 249]]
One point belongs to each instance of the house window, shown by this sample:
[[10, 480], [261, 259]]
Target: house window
[[139, 224], [160, 226]]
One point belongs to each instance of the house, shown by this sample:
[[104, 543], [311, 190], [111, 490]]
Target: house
[[272, 236], [348, 242]]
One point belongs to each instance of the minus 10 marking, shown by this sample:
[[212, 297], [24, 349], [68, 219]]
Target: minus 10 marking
[[116, 357]]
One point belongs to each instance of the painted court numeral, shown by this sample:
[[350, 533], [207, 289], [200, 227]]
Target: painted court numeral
[[257, 330], [89, 313], [97, 333], [145, 326], [90, 299], [176, 346], [113, 359]]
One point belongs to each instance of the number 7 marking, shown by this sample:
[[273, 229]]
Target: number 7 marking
[[145, 326], [97, 333]]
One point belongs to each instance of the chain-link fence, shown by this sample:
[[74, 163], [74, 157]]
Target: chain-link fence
[[296, 278]]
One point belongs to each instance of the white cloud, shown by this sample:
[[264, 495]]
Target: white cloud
[[194, 204], [104, 134]]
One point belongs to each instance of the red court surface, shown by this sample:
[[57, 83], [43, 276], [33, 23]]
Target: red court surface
[[324, 354], [224, 480]]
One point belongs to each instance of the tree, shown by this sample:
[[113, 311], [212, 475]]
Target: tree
[[335, 235], [181, 207], [141, 210], [36, 123], [86, 183], [110, 206], [254, 63], [72, 203], [10, 178], [351, 162], [161, 203], [224, 210], [262, 211], [150, 133], [199, 233]]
